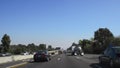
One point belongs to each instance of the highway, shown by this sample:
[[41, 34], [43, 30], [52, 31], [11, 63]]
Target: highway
[[59, 61], [63, 61]]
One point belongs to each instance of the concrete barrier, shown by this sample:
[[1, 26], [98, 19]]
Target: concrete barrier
[[21, 57], [14, 58]]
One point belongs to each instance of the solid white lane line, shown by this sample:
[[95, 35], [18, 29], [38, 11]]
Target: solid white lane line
[[17, 65]]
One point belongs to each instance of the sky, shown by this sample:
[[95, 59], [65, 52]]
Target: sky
[[57, 22]]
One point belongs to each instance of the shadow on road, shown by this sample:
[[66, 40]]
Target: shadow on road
[[68, 55], [32, 61], [97, 65]]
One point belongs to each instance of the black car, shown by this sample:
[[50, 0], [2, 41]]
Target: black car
[[111, 56], [41, 55]]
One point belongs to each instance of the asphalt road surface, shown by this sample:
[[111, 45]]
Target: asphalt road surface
[[63, 61]]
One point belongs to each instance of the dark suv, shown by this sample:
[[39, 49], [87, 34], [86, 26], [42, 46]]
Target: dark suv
[[41, 55], [111, 56]]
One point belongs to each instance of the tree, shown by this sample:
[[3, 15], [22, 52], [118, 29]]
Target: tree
[[103, 37], [6, 43], [31, 48], [17, 49], [84, 42], [86, 45], [42, 47], [1, 48], [116, 41], [88, 49], [50, 48], [23, 48]]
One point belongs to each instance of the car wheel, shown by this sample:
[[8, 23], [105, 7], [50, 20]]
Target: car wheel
[[100, 61], [47, 59], [35, 60]]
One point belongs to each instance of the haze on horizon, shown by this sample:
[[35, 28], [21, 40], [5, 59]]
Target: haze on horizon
[[57, 22]]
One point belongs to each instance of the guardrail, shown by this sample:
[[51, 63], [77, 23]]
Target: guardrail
[[22, 57], [14, 58]]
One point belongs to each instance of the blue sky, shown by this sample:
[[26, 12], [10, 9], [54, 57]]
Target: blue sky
[[57, 22]]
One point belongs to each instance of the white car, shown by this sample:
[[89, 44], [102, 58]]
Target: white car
[[5, 54], [25, 53]]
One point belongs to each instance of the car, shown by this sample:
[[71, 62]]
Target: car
[[5, 54], [25, 53], [111, 56], [2, 55], [41, 55]]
